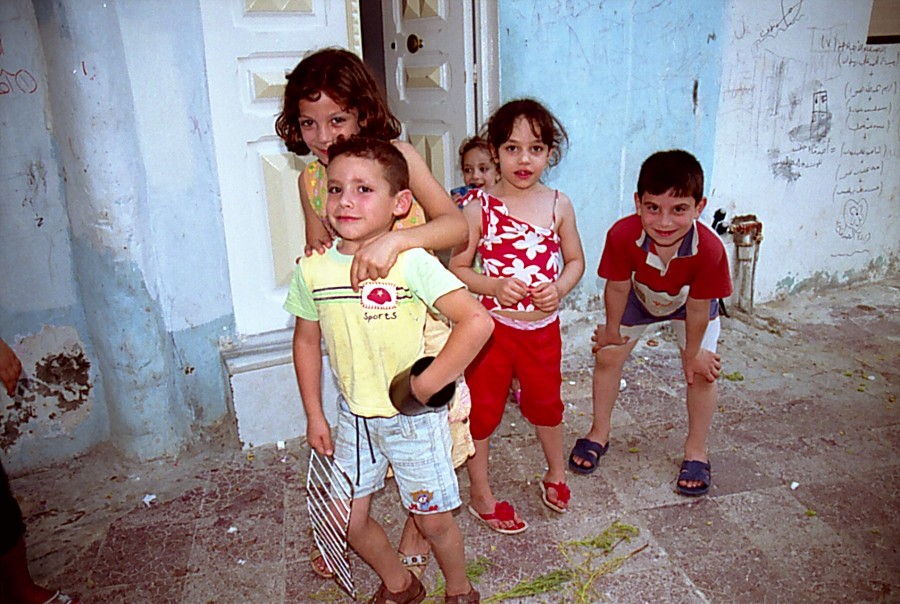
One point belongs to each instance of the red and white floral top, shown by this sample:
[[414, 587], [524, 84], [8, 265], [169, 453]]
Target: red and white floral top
[[510, 247]]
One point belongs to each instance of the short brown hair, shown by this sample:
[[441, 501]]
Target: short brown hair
[[393, 164], [675, 169]]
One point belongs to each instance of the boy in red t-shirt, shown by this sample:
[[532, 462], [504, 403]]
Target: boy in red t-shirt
[[661, 264]]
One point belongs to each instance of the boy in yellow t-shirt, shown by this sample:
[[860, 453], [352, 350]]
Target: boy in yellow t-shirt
[[373, 335]]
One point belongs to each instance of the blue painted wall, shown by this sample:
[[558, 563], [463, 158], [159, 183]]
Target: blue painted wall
[[626, 78], [113, 245]]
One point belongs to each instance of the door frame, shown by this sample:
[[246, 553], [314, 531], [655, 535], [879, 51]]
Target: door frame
[[485, 18]]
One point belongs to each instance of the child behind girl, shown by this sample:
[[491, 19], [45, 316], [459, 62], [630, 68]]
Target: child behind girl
[[478, 167], [532, 257], [331, 95]]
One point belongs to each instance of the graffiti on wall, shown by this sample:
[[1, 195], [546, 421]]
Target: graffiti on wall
[[841, 138], [16, 81]]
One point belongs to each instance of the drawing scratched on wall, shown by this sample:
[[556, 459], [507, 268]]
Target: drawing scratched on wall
[[859, 177], [849, 140], [791, 13]]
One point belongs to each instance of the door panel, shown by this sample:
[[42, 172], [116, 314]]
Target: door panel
[[429, 62], [250, 46]]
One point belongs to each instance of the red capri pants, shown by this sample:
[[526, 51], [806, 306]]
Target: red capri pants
[[532, 356]]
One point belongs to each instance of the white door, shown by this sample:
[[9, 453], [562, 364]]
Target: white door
[[434, 57], [250, 46]]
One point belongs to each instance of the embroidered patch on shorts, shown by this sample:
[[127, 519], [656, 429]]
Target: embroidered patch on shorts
[[379, 295], [421, 501]]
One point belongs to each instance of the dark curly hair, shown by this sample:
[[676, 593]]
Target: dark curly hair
[[474, 142], [543, 123], [348, 82]]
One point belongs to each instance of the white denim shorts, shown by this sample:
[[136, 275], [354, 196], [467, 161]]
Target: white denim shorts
[[710, 337], [416, 447]]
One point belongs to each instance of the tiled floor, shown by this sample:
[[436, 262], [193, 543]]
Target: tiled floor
[[804, 506]]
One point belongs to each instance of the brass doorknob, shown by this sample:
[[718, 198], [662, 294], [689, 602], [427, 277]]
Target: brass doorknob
[[414, 43]]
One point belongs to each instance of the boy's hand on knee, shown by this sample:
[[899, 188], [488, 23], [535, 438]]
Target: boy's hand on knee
[[603, 338], [705, 364]]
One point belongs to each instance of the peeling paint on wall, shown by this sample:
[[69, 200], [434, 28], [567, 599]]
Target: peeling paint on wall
[[54, 393]]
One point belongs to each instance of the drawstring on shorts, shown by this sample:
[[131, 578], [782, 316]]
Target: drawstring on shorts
[[368, 438]]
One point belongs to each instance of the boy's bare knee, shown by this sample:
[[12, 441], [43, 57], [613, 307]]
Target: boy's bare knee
[[434, 525], [610, 359]]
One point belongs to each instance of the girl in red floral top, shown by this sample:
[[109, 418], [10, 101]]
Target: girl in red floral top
[[532, 257]]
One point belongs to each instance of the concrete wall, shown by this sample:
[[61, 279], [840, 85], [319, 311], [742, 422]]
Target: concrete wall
[[793, 118], [115, 281], [807, 138], [625, 79], [114, 274]]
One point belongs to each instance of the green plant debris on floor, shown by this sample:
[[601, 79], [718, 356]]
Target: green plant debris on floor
[[475, 569], [586, 561], [734, 376]]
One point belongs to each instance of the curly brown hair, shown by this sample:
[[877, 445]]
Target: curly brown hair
[[474, 142], [543, 123], [342, 76]]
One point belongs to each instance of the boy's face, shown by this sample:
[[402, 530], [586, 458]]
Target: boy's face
[[666, 218], [478, 168], [360, 205], [322, 122]]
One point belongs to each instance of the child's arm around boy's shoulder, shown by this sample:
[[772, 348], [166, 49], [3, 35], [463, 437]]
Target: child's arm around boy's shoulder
[[444, 228]]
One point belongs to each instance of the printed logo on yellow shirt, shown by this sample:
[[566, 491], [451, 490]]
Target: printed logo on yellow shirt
[[379, 295]]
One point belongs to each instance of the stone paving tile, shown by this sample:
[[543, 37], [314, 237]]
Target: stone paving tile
[[796, 417]]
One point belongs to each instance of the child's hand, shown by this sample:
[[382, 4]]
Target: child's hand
[[319, 436], [10, 368], [606, 337], [317, 245], [545, 297], [375, 259], [509, 291], [705, 364]]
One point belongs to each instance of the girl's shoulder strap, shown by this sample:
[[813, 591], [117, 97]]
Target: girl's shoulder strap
[[555, 206]]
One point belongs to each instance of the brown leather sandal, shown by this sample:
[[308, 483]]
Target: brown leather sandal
[[413, 594], [473, 597]]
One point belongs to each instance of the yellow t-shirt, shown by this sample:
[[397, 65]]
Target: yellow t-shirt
[[373, 334]]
